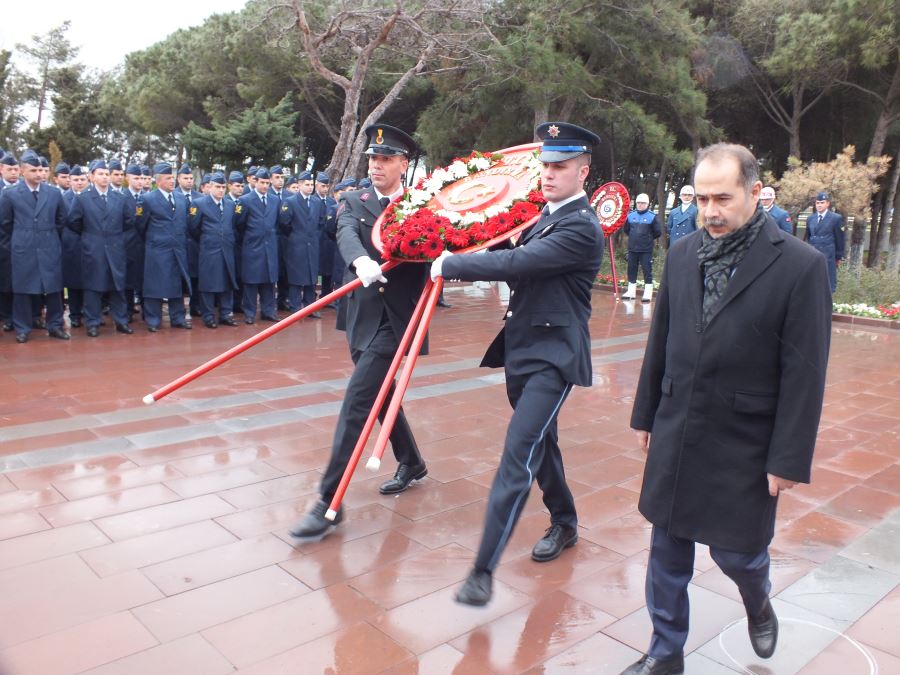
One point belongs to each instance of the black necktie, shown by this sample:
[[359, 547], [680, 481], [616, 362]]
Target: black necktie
[[187, 196], [384, 201], [103, 197], [221, 209], [264, 202], [821, 217], [35, 193], [171, 201]]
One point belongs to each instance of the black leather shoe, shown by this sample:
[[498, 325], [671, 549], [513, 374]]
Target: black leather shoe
[[22, 338], [40, 324], [58, 333], [187, 325], [444, 303], [647, 665], [93, 331], [153, 329], [196, 312], [316, 315], [124, 328], [555, 539], [763, 631], [314, 525], [249, 321], [209, 323], [228, 321], [75, 323], [477, 589], [270, 317], [405, 475], [7, 326]]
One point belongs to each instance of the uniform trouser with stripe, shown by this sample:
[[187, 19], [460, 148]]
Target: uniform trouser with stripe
[[669, 571], [530, 453], [370, 368]]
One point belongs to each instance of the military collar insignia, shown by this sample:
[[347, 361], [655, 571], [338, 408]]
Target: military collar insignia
[[553, 131], [364, 196]]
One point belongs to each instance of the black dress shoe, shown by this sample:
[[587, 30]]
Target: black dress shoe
[[763, 631], [314, 525], [647, 665], [124, 328], [75, 323], [228, 321], [58, 333], [7, 326], [196, 312], [249, 321], [444, 303], [40, 324], [93, 331], [270, 317], [316, 315], [21, 338], [477, 589], [187, 325], [209, 323], [555, 539], [153, 329], [405, 475]]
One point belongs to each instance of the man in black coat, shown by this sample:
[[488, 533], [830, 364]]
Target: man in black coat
[[729, 399], [544, 348], [375, 318]]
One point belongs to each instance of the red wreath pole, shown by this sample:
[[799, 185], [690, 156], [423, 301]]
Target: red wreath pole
[[393, 410], [376, 407], [179, 382], [612, 263]]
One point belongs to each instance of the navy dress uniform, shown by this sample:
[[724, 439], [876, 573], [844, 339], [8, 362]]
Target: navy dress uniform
[[256, 220], [681, 222], [643, 229], [375, 318], [300, 222], [101, 219], [544, 348], [212, 224], [32, 217], [73, 279], [327, 248], [190, 194], [163, 222], [236, 177], [825, 231], [134, 241]]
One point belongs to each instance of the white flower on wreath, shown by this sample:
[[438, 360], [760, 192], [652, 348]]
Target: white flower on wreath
[[458, 170], [419, 197], [480, 163], [453, 216], [472, 217]]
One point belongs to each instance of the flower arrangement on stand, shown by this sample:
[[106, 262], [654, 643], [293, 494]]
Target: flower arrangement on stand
[[891, 312], [412, 229]]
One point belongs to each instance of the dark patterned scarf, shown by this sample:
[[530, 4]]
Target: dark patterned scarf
[[718, 259]]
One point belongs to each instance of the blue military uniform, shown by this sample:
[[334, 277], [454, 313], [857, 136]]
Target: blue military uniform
[[163, 222], [781, 217], [134, 241], [71, 259], [544, 349], [32, 221], [212, 225], [300, 222], [101, 221], [6, 297], [327, 248], [236, 177], [192, 248], [256, 220], [825, 231], [681, 222]]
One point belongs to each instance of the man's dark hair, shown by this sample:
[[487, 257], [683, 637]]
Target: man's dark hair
[[749, 167]]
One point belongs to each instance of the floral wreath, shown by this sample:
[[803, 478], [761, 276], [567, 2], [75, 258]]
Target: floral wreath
[[412, 231]]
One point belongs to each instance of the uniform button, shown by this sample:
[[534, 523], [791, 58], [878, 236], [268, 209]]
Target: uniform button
[[381, 289], [508, 314]]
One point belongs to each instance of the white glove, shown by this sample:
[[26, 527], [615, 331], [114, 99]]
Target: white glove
[[438, 263], [368, 271]]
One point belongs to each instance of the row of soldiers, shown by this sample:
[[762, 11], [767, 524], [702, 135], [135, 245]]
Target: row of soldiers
[[106, 237]]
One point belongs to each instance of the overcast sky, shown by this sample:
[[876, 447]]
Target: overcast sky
[[104, 31]]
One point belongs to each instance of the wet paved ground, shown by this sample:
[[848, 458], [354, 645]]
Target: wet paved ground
[[153, 540]]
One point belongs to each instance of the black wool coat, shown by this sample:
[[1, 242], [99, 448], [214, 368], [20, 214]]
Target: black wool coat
[[740, 398]]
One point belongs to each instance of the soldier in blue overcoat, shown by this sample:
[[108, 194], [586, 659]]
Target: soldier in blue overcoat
[[101, 216], [134, 240], [32, 216], [211, 223], [234, 192], [683, 218], [163, 221], [71, 250], [825, 231], [327, 247], [256, 221], [185, 180], [779, 215], [300, 222]]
